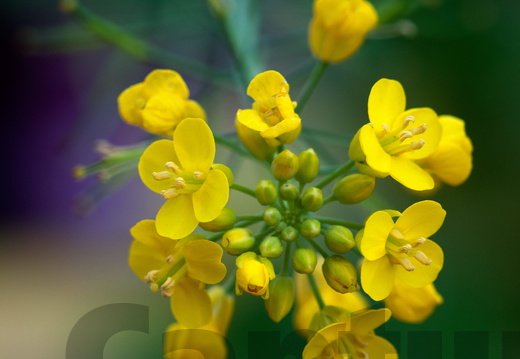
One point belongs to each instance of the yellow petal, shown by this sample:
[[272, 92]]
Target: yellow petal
[[285, 126], [176, 218], [163, 112], [410, 175], [194, 144], [193, 109], [376, 157], [377, 229], [379, 347], [453, 130], [154, 159], [423, 274], [183, 343], [450, 163], [365, 322], [421, 219], [212, 196], [190, 304], [322, 339], [131, 102], [252, 120], [385, 102], [267, 84], [377, 277], [431, 136], [252, 140], [203, 259], [168, 81]]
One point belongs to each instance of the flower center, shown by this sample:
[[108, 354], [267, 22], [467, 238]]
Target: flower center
[[165, 277], [401, 249], [403, 139], [276, 108], [180, 181]]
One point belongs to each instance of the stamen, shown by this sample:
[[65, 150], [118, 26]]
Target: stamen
[[363, 354], [167, 287], [405, 248], [396, 234], [420, 129], [198, 175], [151, 276], [169, 193], [417, 145], [385, 130], [180, 183], [405, 135], [161, 176], [421, 257], [172, 166], [170, 259], [404, 261], [407, 120], [419, 241]]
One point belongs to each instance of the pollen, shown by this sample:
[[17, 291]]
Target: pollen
[[198, 175], [169, 193], [421, 257], [173, 167], [180, 183], [151, 276], [161, 176], [167, 287], [408, 120]]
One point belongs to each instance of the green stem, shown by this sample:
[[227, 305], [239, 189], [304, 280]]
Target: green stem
[[316, 291], [340, 171], [243, 189], [328, 199], [341, 223], [216, 236], [249, 218], [286, 259], [311, 84], [177, 266], [318, 248], [233, 146], [229, 284]]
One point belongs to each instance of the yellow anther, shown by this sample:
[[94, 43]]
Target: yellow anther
[[151, 276], [180, 183], [404, 261], [198, 175], [405, 135], [363, 354], [169, 193], [417, 145], [173, 167], [161, 176], [420, 129], [396, 234], [421, 257], [167, 287], [385, 130], [405, 248], [419, 241], [407, 120], [170, 259]]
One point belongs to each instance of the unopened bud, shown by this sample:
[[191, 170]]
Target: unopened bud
[[310, 228], [266, 192], [280, 227], [285, 165], [271, 247], [272, 216], [339, 239], [312, 199], [289, 234], [227, 171], [354, 188], [281, 298], [340, 274], [309, 166], [289, 192], [225, 220], [237, 241], [304, 260]]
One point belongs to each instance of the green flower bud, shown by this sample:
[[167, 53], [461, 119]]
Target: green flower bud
[[266, 192], [339, 239], [225, 220], [310, 228], [312, 199], [285, 165], [340, 274], [272, 216], [354, 188], [227, 171], [237, 241], [289, 192], [309, 166], [281, 298], [281, 226], [271, 247], [289, 234], [304, 260]]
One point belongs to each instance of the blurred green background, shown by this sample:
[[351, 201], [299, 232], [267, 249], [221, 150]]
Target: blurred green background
[[64, 244]]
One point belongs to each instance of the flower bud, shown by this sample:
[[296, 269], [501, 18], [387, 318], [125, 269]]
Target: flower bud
[[312, 199], [237, 241], [281, 226], [225, 220], [253, 274], [340, 274], [266, 192], [281, 298], [289, 234], [271, 247], [255, 143], [272, 216], [354, 188], [226, 170], [310, 228], [304, 260], [309, 166], [339, 239], [289, 192], [285, 165]]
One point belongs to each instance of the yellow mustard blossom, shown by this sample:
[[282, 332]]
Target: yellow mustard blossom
[[394, 138], [208, 341], [412, 305], [181, 171], [307, 306], [177, 267], [452, 161], [391, 250], [339, 28], [353, 338], [272, 116], [253, 274], [159, 103]]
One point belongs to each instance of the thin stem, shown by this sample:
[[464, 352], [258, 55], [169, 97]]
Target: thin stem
[[316, 291], [328, 199], [243, 189], [318, 248], [286, 259], [233, 146], [216, 236], [249, 218], [340, 171], [311, 84], [339, 222]]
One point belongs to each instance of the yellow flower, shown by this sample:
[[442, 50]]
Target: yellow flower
[[391, 250], [205, 342], [159, 103], [412, 305], [253, 274], [339, 27], [352, 338], [307, 306], [452, 160], [181, 172], [272, 117], [394, 138], [178, 268]]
